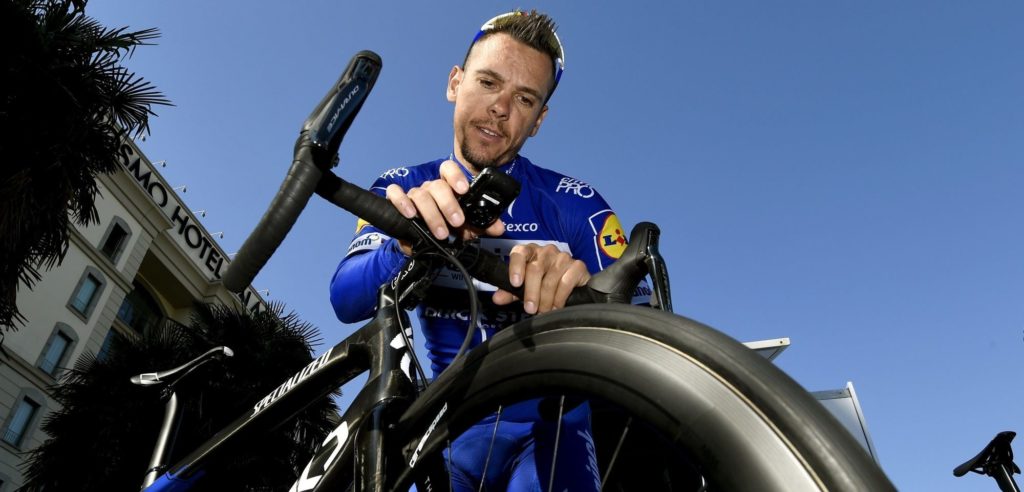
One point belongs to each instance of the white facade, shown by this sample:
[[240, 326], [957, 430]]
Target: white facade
[[146, 241]]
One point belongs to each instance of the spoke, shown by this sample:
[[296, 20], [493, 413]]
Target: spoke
[[490, 448], [558, 434], [615, 454], [451, 487]]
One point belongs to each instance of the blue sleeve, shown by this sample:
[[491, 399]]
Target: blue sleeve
[[372, 259], [359, 276]]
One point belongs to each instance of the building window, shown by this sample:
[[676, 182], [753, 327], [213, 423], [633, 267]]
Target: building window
[[57, 349], [21, 418], [107, 342], [115, 239], [87, 292], [140, 310]]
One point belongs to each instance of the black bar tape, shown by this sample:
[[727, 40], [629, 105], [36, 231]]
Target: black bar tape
[[279, 218], [489, 267], [366, 205]]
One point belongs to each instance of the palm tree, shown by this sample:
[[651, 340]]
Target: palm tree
[[68, 105], [102, 437]]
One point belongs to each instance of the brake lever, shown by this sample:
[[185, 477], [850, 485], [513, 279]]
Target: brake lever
[[333, 115], [617, 283]]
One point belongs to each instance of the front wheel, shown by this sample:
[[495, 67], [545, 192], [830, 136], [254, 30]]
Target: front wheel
[[675, 404]]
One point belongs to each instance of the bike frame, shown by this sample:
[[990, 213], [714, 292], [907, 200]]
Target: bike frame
[[379, 347]]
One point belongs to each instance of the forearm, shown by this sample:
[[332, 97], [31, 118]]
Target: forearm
[[358, 277]]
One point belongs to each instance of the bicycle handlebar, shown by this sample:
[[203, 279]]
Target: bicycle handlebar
[[316, 149]]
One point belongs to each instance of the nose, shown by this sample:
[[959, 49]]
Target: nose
[[500, 106]]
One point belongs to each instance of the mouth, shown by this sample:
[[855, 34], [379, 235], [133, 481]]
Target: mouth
[[489, 134]]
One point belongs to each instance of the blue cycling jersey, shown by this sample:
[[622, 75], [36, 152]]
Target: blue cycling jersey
[[551, 209]]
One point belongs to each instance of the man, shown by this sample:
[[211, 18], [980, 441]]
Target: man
[[555, 233]]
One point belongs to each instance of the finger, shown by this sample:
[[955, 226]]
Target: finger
[[503, 297], [559, 266], [444, 197], [495, 229], [452, 173], [517, 259], [428, 210], [532, 282], [406, 247], [396, 195], [576, 276]]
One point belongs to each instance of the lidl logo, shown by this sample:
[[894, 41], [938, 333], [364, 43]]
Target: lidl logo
[[612, 240]]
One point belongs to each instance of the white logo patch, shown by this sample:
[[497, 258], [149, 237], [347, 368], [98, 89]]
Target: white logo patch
[[398, 172], [576, 187], [528, 227], [367, 242], [398, 343]]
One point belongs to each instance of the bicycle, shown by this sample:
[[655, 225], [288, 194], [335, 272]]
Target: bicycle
[[676, 405]]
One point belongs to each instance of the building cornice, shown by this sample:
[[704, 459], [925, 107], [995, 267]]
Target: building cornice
[[132, 197], [31, 373]]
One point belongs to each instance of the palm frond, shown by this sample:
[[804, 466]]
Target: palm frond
[[69, 101]]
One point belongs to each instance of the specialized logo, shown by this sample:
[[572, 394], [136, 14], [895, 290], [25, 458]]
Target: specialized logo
[[285, 387], [611, 240], [576, 187], [398, 172]]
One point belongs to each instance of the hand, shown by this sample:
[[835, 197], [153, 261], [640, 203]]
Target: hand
[[546, 274], [435, 201]]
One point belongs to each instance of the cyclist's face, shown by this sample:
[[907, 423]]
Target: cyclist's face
[[499, 100]]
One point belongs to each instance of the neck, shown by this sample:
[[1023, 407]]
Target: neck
[[472, 168], [457, 155]]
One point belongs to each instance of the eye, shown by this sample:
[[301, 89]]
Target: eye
[[487, 83], [526, 100]]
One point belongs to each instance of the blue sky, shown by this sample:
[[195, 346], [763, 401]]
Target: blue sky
[[845, 174]]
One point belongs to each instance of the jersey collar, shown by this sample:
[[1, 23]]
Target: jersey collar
[[514, 168]]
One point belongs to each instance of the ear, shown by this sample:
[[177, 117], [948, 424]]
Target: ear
[[454, 79], [540, 119]]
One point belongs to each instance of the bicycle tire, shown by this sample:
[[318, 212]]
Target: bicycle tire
[[745, 423]]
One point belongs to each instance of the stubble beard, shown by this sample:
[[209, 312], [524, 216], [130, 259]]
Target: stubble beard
[[480, 161]]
